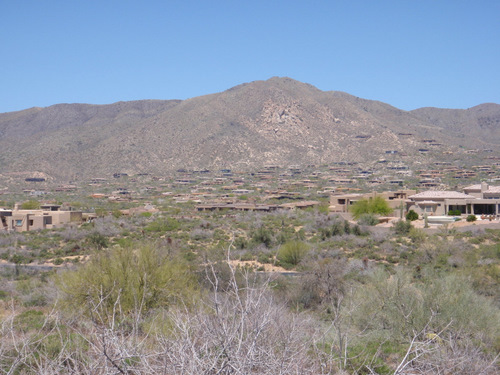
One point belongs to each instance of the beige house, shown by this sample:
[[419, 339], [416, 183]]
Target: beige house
[[438, 202], [475, 200], [47, 217], [479, 199]]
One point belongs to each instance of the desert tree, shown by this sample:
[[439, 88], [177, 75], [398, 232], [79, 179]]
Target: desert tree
[[144, 273], [374, 205]]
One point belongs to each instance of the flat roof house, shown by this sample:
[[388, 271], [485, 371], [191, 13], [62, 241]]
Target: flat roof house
[[47, 217]]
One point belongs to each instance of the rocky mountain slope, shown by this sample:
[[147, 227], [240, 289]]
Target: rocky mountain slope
[[279, 121]]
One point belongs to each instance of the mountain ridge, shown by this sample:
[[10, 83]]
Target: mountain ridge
[[278, 121]]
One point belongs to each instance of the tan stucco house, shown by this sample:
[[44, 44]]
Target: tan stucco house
[[47, 217], [480, 199], [475, 200]]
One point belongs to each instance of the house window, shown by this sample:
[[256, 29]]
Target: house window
[[47, 220], [31, 223], [19, 223]]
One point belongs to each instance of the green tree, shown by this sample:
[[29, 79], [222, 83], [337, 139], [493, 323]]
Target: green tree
[[373, 205], [129, 279], [30, 205]]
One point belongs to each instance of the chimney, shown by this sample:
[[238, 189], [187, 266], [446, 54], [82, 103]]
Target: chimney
[[484, 186]]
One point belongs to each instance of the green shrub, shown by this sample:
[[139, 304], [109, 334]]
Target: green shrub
[[324, 208], [97, 240], [285, 236], [19, 259], [247, 256], [471, 218], [398, 306], [117, 213], [58, 261], [265, 258], [29, 320], [36, 299], [411, 216], [356, 230], [347, 227], [292, 252], [454, 213], [368, 219], [416, 235], [240, 243], [338, 228], [402, 227], [325, 233], [101, 212], [53, 346], [262, 235], [163, 225]]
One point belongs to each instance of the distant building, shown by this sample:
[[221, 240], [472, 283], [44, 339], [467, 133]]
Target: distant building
[[47, 217]]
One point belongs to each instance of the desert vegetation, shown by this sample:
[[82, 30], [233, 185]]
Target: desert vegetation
[[282, 292]]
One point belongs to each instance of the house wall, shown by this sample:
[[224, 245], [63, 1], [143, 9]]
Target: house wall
[[341, 202], [35, 222], [423, 209], [474, 193], [26, 220], [19, 222]]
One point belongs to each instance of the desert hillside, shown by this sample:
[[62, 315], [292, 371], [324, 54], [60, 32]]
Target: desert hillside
[[279, 121]]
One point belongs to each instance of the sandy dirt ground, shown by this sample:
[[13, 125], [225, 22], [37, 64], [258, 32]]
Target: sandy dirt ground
[[254, 264]]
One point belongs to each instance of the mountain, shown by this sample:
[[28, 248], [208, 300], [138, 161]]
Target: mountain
[[481, 122], [279, 121]]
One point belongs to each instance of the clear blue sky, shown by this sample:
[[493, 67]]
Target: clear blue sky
[[408, 53]]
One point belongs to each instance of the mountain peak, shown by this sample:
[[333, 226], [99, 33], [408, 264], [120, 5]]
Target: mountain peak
[[278, 121]]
